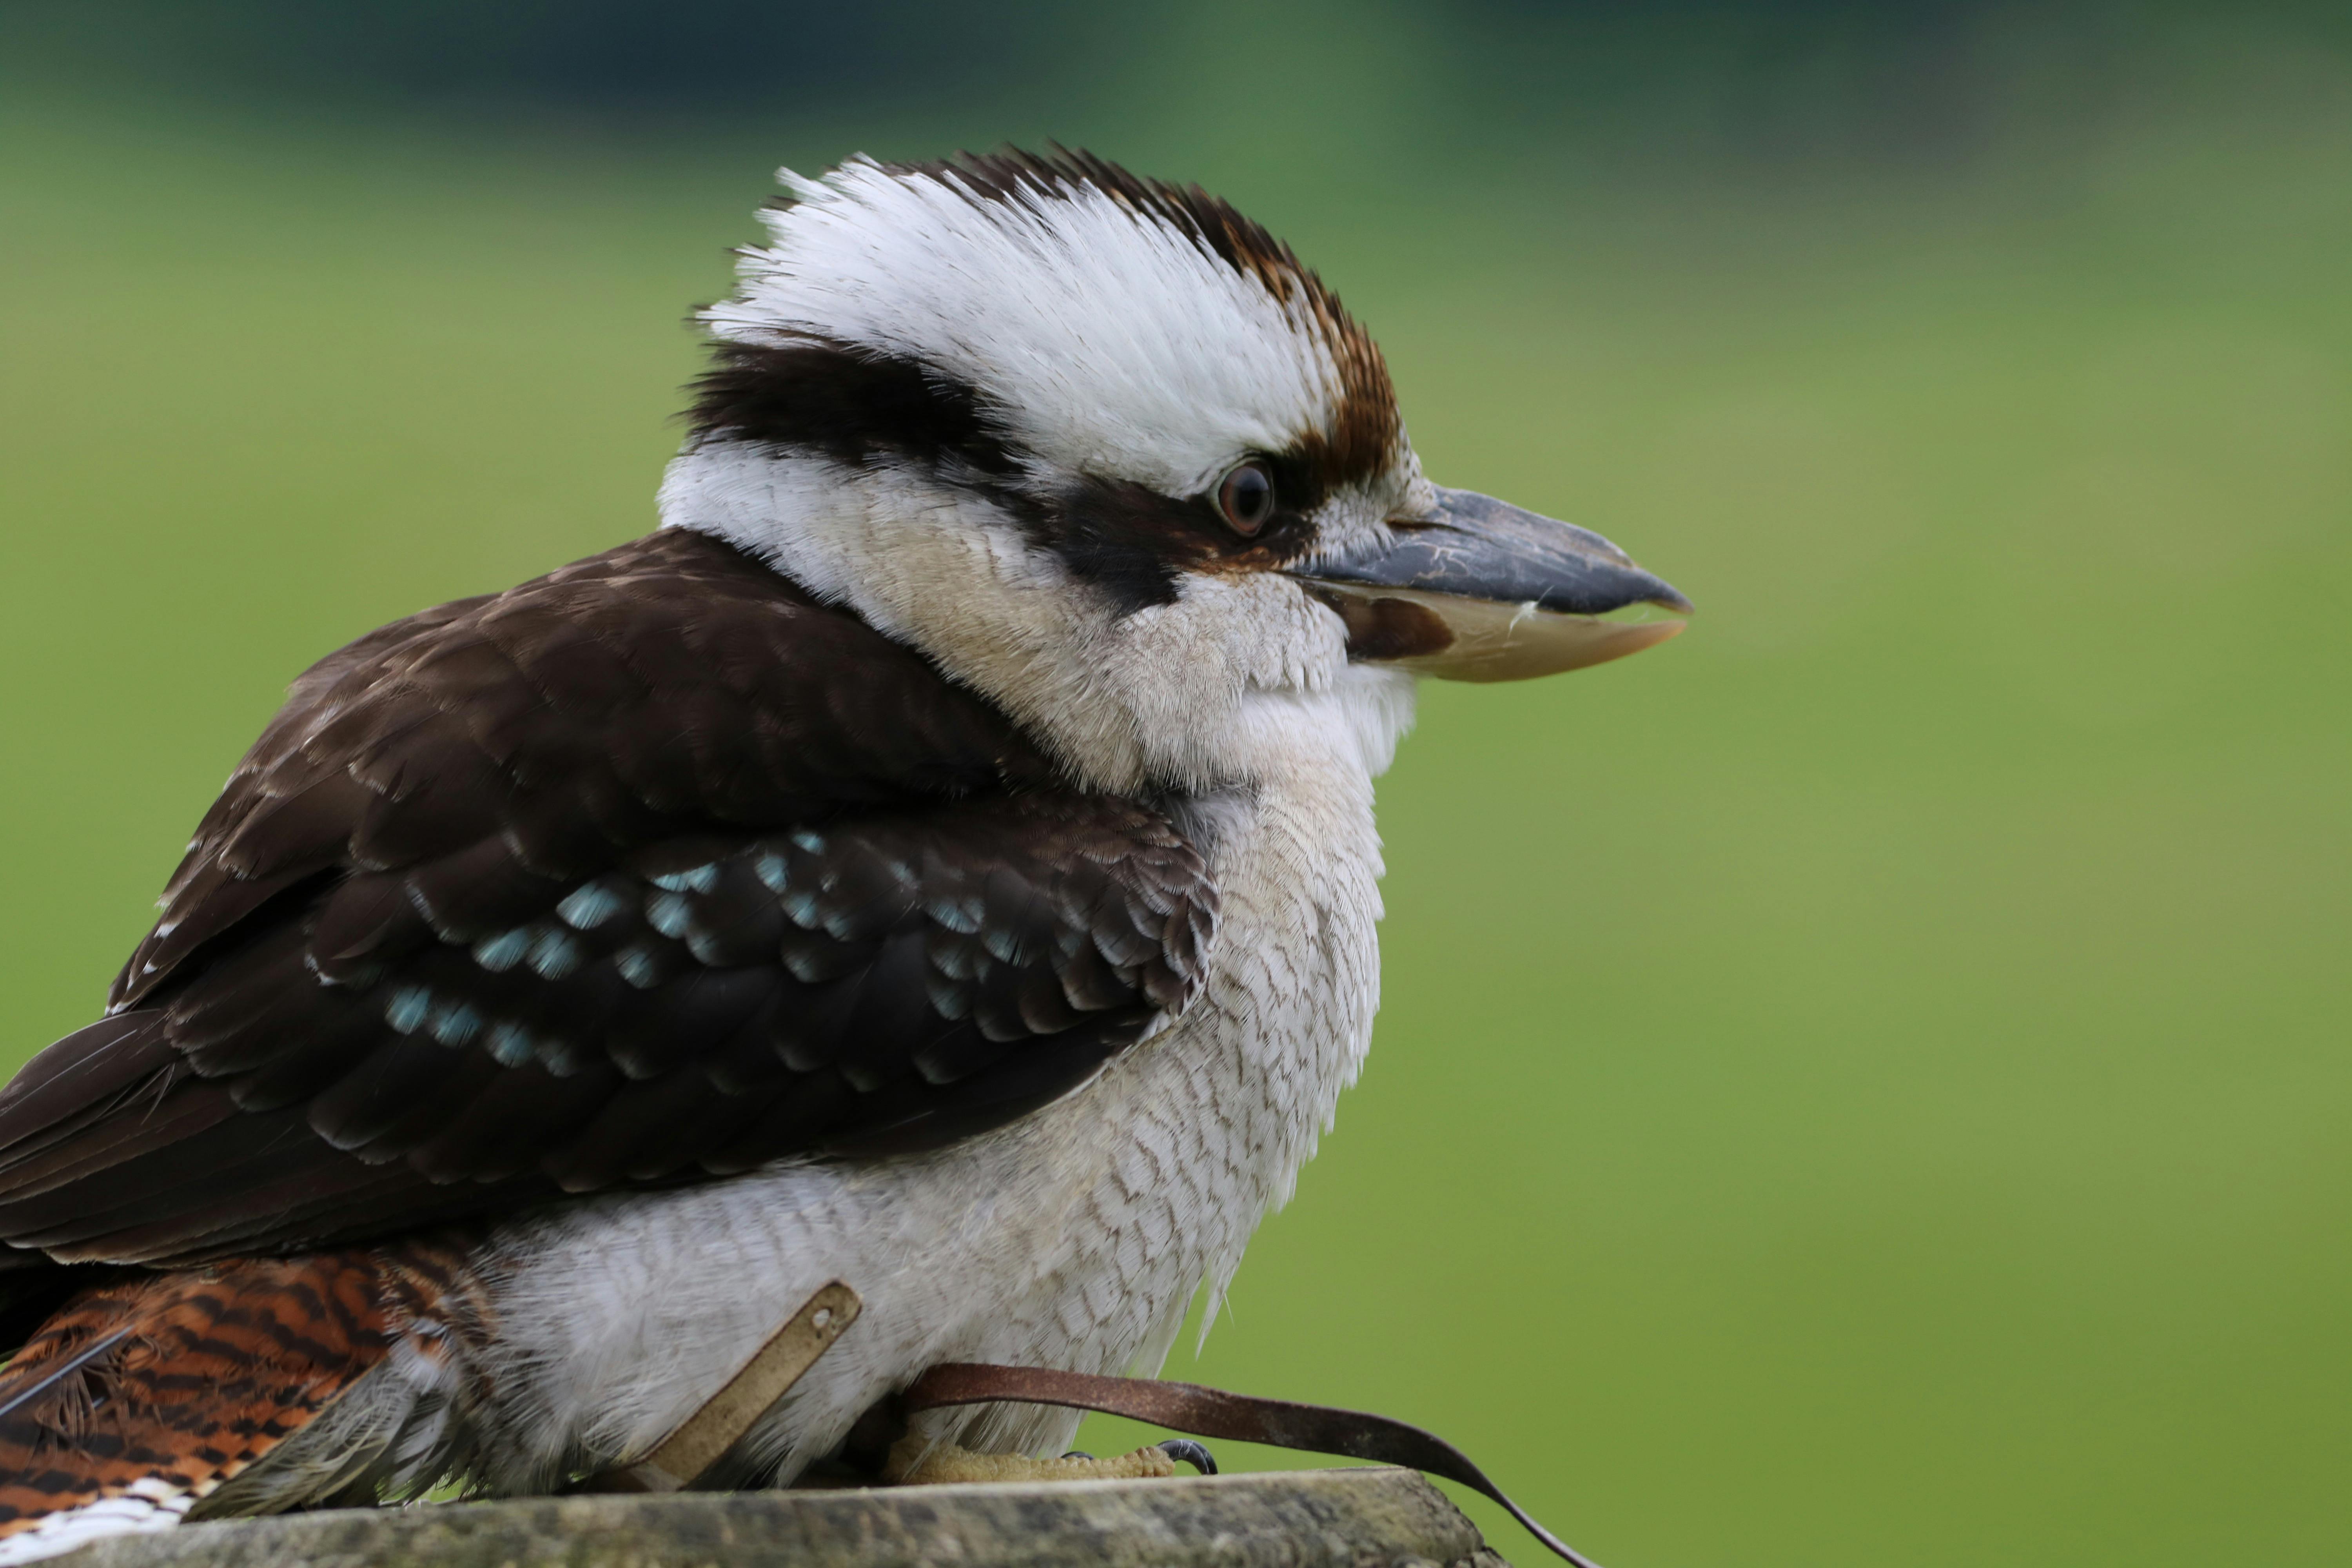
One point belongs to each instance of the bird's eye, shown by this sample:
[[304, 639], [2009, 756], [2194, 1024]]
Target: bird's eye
[[1246, 497]]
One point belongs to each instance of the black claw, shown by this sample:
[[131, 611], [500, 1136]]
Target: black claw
[[1077, 1454], [1185, 1451]]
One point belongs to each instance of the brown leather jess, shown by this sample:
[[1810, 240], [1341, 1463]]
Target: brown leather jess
[[1212, 1413], [685, 1458]]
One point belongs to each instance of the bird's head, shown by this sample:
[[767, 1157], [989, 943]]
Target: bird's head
[[1106, 451]]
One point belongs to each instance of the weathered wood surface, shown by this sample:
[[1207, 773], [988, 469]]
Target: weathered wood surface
[[1308, 1518]]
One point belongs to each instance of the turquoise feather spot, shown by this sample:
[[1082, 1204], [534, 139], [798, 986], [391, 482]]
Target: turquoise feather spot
[[407, 1008], [510, 1045], [560, 1057], [669, 913], [699, 880], [586, 908], [554, 955], [456, 1024], [959, 915], [501, 952]]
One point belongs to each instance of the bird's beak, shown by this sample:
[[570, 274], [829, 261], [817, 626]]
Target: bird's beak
[[1480, 589]]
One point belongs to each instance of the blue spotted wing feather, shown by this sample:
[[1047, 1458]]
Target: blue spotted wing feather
[[650, 871]]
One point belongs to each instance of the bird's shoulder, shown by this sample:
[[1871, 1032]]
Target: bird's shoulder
[[670, 682]]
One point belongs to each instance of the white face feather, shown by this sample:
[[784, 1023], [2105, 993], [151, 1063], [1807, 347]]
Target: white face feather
[[1106, 341]]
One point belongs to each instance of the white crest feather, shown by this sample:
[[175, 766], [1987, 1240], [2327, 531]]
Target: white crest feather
[[1108, 339]]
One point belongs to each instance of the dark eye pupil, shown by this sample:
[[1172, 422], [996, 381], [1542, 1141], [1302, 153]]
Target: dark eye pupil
[[1248, 498]]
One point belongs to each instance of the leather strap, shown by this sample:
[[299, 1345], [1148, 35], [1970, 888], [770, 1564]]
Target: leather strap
[[1212, 1413], [686, 1457]]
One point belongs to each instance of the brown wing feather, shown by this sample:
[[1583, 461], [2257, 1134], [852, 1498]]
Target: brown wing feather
[[651, 870], [669, 682]]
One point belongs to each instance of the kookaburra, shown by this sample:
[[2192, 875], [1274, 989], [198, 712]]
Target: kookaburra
[[941, 858]]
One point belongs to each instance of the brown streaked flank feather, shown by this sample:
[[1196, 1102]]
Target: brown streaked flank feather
[[200, 1374]]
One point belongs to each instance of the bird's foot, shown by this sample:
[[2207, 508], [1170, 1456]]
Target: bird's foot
[[1183, 1450], [916, 1462]]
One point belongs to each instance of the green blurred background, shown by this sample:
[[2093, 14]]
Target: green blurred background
[[1864, 1084]]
